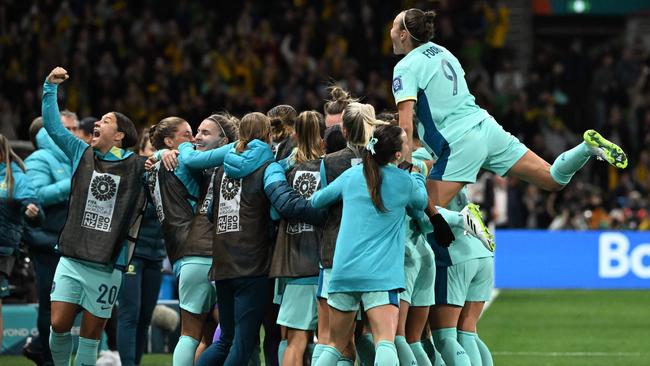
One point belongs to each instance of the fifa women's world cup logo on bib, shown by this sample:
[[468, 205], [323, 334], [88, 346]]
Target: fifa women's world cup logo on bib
[[100, 203], [229, 204], [305, 183]]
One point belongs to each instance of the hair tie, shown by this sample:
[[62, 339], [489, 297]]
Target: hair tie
[[407, 30], [371, 145]]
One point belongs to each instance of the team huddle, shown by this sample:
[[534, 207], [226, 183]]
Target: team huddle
[[357, 226]]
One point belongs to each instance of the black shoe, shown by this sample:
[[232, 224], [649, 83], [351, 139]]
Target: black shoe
[[30, 351]]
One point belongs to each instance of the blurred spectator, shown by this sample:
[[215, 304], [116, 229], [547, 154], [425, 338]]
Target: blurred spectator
[[152, 59]]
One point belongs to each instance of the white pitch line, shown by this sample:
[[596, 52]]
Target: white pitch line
[[570, 354]]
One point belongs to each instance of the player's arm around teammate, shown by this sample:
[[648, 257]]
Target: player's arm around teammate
[[245, 189], [368, 265]]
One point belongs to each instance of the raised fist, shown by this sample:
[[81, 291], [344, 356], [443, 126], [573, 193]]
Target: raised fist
[[58, 75]]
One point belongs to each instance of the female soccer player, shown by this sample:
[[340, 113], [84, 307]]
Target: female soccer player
[[358, 124], [464, 277], [296, 255], [418, 294], [199, 156], [141, 282], [106, 205], [464, 136], [17, 199], [245, 189], [211, 142], [175, 195], [368, 265]]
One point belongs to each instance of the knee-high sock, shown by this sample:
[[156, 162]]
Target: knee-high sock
[[60, 347], [420, 355], [281, 348], [86, 352], [329, 356], [468, 341], [365, 349], [569, 162], [184, 351], [404, 352], [432, 352], [486, 355], [386, 354], [318, 350], [452, 352]]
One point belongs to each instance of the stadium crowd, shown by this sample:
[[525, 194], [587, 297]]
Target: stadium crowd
[[191, 58], [256, 201]]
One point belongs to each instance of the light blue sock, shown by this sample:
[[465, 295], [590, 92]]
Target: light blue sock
[[452, 352], [569, 162], [420, 354], [86, 352], [386, 354], [343, 361], [432, 352], [184, 351], [365, 350], [60, 347], [468, 341], [404, 352], [486, 355], [453, 218], [281, 348], [427, 344], [328, 357], [318, 350]]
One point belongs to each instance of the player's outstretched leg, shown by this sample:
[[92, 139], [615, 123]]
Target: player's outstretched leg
[[569, 162]]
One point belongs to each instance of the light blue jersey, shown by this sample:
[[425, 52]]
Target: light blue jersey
[[370, 244], [431, 76]]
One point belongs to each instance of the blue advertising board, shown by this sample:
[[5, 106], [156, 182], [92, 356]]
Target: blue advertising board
[[572, 259]]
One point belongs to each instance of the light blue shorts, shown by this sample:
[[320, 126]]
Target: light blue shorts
[[486, 145], [323, 283], [299, 309], [419, 274], [350, 301], [278, 290], [196, 292], [467, 281], [88, 286]]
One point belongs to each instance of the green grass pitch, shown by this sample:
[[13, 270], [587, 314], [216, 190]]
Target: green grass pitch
[[539, 328], [575, 328]]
